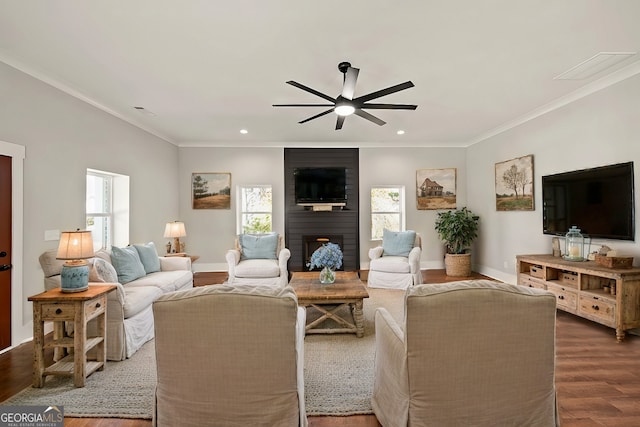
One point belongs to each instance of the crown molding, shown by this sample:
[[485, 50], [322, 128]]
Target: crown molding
[[37, 74]]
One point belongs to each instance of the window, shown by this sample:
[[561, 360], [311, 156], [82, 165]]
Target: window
[[387, 210], [254, 209], [107, 208]]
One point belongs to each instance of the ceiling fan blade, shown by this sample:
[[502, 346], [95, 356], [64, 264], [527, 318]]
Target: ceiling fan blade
[[340, 122], [317, 115], [302, 105], [349, 87], [389, 106], [369, 117], [384, 92], [313, 91]]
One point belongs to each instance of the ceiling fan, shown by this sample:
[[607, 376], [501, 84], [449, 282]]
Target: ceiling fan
[[345, 104]]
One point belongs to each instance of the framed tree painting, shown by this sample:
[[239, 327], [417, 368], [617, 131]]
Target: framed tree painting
[[211, 190], [514, 184], [436, 189]]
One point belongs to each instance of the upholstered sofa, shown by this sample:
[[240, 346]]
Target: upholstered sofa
[[129, 312]]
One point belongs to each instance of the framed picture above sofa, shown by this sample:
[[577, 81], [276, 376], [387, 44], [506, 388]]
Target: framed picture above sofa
[[211, 190]]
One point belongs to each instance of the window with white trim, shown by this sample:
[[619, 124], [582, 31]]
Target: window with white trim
[[107, 208], [387, 210], [254, 209]]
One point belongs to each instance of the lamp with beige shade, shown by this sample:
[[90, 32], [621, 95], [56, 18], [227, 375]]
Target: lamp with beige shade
[[75, 247], [176, 230]]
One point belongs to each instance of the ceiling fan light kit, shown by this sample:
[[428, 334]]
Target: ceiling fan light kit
[[345, 104]]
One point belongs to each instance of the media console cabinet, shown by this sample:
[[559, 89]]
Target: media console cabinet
[[609, 296]]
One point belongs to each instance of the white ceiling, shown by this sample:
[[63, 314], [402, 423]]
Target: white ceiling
[[208, 68]]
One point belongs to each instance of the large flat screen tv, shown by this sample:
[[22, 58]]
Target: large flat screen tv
[[599, 201], [320, 185]]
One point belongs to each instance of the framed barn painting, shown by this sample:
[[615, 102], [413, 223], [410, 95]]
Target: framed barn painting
[[514, 184], [436, 189], [211, 190]]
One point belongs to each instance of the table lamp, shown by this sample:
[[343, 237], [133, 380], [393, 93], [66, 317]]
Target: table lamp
[[176, 230], [75, 247]]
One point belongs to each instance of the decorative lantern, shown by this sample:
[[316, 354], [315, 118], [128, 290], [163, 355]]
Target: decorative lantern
[[575, 244]]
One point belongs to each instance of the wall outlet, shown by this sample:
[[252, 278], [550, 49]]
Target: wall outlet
[[506, 265], [51, 235]]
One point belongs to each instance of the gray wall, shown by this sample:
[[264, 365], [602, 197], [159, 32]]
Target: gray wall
[[600, 129], [64, 136]]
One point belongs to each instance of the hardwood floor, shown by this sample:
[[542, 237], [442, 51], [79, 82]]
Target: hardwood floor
[[597, 379]]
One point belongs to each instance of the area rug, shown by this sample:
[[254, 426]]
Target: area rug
[[122, 390], [338, 376], [338, 369]]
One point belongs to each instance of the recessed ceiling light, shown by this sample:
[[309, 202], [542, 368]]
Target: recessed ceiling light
[[244, 131], [400, 132]]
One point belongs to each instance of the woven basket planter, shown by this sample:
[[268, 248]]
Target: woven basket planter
[[458, 265]]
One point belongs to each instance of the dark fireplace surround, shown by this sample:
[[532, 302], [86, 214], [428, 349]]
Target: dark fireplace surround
[[305, 229]]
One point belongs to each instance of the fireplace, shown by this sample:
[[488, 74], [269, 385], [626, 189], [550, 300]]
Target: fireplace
[[311, 243]]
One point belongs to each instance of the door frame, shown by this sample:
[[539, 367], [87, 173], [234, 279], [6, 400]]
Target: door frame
[[19, 332]]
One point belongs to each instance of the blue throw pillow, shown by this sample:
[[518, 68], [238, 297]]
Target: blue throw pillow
[[127, 263], [149, 257], [258, 246], [397, 243]]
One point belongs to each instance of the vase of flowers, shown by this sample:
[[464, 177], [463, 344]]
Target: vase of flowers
[[329, 258]]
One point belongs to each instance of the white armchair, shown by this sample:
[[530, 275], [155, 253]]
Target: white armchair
[[396, 264], [259, 258]]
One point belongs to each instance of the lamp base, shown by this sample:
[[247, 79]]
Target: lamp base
[[74, 276]]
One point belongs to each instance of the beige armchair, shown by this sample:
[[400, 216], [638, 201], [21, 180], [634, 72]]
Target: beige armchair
[[396, 263], [475, 353], [258, 258], [230, 356]]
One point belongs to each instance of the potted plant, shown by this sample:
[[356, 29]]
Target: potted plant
[[457, 229]]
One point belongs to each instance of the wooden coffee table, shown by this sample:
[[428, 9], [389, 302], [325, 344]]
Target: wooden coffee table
[[348, 290]]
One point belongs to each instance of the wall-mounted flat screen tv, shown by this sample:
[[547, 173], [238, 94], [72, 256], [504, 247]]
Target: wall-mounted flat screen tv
[[320, 185], [599, 201]]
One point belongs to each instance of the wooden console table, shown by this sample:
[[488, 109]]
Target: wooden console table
[[79, 308], [609, 296]]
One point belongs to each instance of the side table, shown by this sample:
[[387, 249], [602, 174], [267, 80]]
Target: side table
[[194, 258], [79, 308]]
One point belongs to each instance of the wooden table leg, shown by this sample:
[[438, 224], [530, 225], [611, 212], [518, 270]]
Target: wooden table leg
[[38, 347], [358, 317], [79, 341]]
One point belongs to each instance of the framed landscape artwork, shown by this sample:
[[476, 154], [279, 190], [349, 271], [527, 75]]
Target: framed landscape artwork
[[211, 190], [514, 184], [436, 189]]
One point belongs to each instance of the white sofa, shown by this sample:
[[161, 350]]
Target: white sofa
[[129, 312]]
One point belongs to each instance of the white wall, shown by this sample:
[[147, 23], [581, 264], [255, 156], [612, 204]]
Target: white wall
[[211, 232], [601, 129], [391, 166], [64, 136]]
